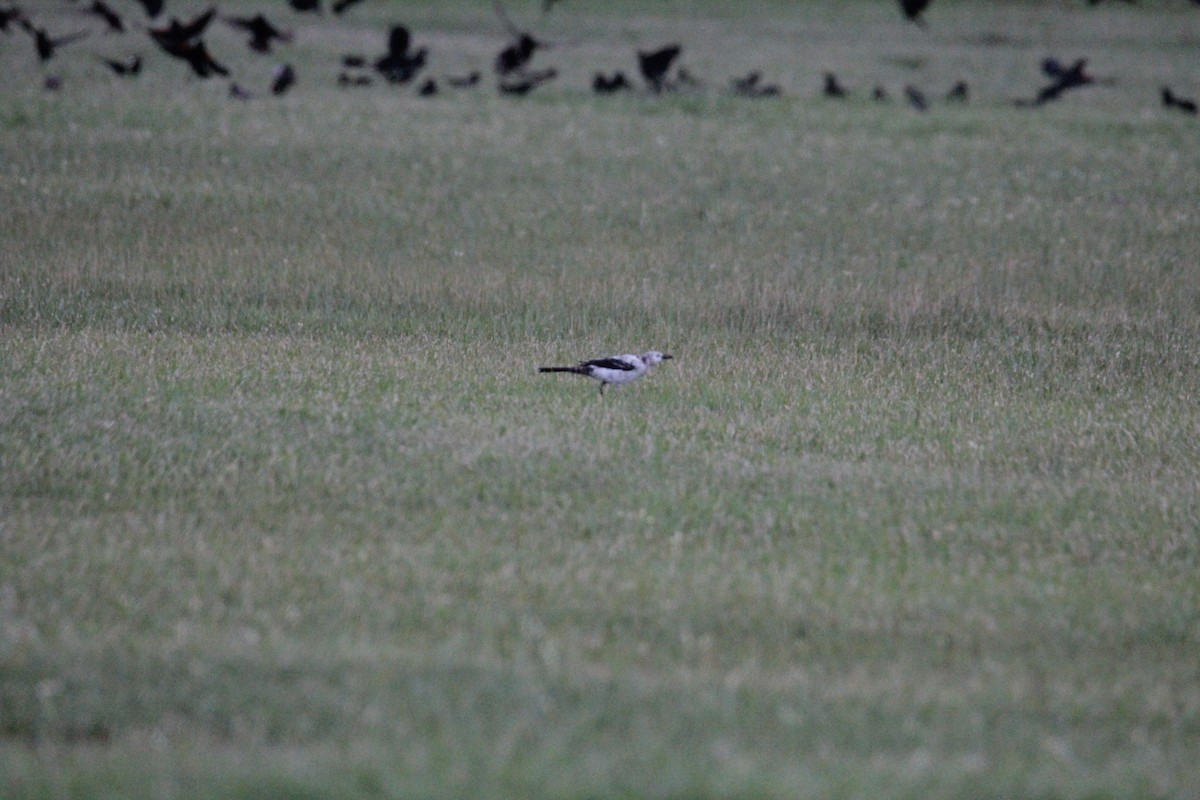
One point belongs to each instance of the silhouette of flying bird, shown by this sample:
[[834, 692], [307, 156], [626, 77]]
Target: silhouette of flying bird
[[655, 64], [341, 6], [182, 40], [1172, 100], [1064, 77], [400, 63], [313, 6], [261, 31]]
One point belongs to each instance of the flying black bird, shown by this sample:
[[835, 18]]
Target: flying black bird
[[282, 79], [526, 82], [261, 31], [1172, 100], [182, 40], [195, 53], [749, 86], [879, 94], [345, 80], [913, 8], [302, 6], [354, 61], [916, 98], [605, 84], [833, 88], [127, 68], [428, 88], [1064, 77], [340, 6], [153, 7], [99, 9], [655, 64], [44, 43], [400, 63]]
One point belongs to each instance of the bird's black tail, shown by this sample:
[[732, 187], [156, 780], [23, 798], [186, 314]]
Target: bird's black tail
[[575, 370]]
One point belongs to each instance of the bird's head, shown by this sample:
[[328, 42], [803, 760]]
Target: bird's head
[[655, 357]]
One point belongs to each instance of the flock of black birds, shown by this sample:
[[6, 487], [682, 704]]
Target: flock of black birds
[[403, 64]]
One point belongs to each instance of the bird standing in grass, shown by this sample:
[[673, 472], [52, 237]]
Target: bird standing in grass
[[614, 369]]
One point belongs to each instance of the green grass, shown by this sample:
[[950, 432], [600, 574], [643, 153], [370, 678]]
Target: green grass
[[912, 514]]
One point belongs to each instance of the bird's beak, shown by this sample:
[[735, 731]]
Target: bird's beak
[[666, 356]]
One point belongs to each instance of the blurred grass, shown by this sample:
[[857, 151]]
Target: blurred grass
[[287, 510]]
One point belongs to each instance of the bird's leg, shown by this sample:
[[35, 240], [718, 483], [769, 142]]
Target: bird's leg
[[602, 385]]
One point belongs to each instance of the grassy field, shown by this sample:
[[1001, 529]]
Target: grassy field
[[287, 512]]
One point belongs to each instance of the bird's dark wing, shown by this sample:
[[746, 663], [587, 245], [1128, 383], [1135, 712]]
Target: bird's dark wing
[[609, 363], [196, 26], [153, 7]]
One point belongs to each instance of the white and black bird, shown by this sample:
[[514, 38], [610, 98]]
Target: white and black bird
[[614, 369]]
